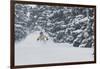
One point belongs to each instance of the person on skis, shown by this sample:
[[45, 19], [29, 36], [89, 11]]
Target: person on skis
[[42, 37]]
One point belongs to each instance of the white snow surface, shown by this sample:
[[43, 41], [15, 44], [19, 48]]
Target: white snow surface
[[31, 51]]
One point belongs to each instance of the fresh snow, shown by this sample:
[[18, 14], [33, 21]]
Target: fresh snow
[[31, 51], [78, 31]]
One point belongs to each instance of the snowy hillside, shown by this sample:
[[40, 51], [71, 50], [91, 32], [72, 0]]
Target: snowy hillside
[[31, 51]]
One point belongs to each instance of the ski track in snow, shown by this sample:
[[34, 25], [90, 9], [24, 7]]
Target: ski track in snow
[[30, 51]]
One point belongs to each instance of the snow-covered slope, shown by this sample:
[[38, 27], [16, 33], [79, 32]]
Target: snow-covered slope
[[31, 51]]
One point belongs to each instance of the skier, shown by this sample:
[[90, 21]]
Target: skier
[[42, 37]]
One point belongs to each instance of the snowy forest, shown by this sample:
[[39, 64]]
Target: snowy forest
[[64, 24]]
